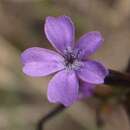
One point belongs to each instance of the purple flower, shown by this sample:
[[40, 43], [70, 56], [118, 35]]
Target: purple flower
[[76, 75]]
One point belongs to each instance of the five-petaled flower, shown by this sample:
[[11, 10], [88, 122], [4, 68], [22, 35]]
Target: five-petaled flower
[[76, 74]]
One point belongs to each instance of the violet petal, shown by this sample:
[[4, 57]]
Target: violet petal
[[89, 43], [85, 90], [60, 32], [41, 62], [63, 88], [92, 72]]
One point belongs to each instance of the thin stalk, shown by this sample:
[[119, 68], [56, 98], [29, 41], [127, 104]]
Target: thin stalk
[[114, 78], [49, 116]]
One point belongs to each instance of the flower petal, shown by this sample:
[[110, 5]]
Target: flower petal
[[92, 72], [41, 62], [85, 90], [89, 43], [60, 32], [63, 88]]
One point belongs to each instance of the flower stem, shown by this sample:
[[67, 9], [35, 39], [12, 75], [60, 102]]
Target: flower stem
[[117, 78], [49, 116], [114, 78]]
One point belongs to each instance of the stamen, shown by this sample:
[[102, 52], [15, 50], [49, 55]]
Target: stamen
[[72, 60]]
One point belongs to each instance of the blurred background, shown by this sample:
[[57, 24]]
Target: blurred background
[[23, 99]]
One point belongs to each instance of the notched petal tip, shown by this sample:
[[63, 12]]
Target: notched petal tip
[[41, 62], [93, 72], [98, 35], [63, 88], [89, 43], [60, 32], [58, 18], [27, 54]]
